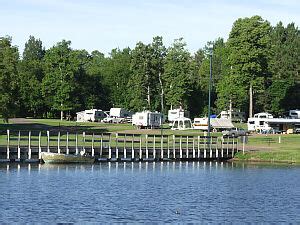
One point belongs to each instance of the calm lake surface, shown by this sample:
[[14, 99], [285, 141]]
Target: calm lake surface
[[168, 192]]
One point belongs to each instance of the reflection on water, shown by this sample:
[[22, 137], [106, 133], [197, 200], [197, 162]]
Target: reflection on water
[[159, 192]]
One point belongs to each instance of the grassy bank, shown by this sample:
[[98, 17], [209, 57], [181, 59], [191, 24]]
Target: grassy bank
[[266, 148]]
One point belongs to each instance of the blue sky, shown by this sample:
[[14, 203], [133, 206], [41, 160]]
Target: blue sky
[[106, 24]]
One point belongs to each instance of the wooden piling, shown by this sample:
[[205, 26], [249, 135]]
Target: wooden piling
[[40, 146], [187, 147], [147, 152], [154, 149], [29, 145], [48, 141], [180, 147], [7, 149], [58, 142], [19, 148], [141, 153], [76, 143], [117, 149], [93, 147], [67, 144], [132, 147]]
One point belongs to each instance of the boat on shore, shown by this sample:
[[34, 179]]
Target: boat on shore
[[49, 157]]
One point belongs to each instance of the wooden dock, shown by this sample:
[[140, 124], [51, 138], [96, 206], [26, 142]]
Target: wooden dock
[[27, 146]]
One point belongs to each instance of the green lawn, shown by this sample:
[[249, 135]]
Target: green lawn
[[286, 151]]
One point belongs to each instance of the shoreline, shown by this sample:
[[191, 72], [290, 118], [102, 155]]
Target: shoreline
[[271, 161]]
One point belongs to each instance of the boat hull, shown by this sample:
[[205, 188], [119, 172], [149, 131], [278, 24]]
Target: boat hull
[[64, 158]]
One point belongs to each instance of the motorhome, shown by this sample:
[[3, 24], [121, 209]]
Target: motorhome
[[177, 113], [91, 115], [147, 119], [235, 116]]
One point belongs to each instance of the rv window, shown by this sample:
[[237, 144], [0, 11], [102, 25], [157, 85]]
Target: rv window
[[173, 112], [294, 114], [261, 123], [187, 124], [263, 116], [89, 113], [180, 124], [251, 122]]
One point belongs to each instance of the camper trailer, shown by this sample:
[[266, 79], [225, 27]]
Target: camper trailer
[[91, 115], [235, 116], [147, 119], [177, 113]]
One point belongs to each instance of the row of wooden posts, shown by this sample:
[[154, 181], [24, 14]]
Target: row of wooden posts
[[165, 145]]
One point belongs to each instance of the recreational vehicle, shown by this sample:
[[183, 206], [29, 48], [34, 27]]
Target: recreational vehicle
[[215, 123], [147, 119], [92, 115], [235, 116], [294, 114], [266, 123], [182, 123], [119, 113], [177, 113]]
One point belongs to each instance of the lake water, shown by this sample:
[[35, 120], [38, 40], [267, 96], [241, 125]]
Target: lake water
[[168, 192]]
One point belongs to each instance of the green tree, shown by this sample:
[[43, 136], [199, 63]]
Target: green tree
[[115, 72], [31, 75], [177, 75], [159, 52], [220, 69], [93, 94], [248, 46], [62, 65], [142, 84], [283, 90], [8, 78]]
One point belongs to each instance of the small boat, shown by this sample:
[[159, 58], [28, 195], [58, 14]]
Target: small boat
[[49, 157]]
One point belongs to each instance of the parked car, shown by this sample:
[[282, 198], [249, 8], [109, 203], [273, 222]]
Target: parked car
[[113, 120], [297, 130], [234, 132]]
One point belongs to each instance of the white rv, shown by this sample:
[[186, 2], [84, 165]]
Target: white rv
[[265, 123], [235, 116], [201, 123], [294, 114], [147, 119], [177, 113], [91, 115], [215, 123], [182, 123], [119, 113], [258, 122]]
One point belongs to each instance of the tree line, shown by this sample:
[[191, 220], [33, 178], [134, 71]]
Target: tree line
[[256, 69]]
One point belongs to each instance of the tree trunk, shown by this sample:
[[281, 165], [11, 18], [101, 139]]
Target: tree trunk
[[61, 113], [161, 93], [230, 109], [148, 96], [250, 101]]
